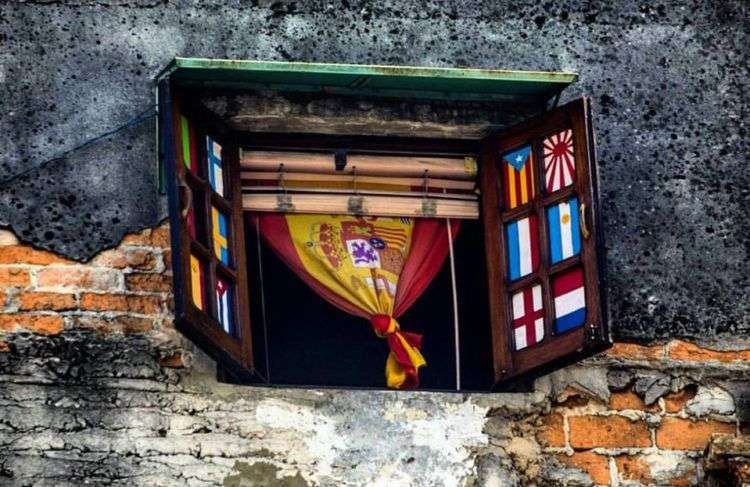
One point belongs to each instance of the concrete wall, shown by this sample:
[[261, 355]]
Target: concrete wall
[[96, 384]]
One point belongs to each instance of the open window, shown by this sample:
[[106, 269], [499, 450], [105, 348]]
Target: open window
[[285, 244]]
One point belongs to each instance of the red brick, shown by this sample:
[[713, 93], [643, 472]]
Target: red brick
[[120, 302], [679, 350], [631, 351], [124, 324], [148, 282], [22, 254], [633, 468], [552, 433], [41, 301], [160, 237], [173, 361], [683, 434], [42, 324], [77, 277], [597, 466], [607, 432], [674, 402], [157, 237], [2, 299], [14, 277], [4, 347], [139, 259], [629, 400]]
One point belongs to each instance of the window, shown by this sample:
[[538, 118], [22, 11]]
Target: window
[[502, 285]]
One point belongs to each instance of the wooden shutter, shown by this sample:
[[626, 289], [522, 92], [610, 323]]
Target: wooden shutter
[[543, 242], [201, 158]]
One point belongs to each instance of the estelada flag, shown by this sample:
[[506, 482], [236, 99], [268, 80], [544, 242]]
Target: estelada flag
[[518, 176]]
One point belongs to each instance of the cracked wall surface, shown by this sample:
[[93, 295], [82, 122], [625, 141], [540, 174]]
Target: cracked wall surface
[[666, 78]]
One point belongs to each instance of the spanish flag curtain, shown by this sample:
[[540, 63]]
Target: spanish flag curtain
[[373, 267]]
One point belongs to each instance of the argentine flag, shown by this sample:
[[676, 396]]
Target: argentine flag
[[564, 232]]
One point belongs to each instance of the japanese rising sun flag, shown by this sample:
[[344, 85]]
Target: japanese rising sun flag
[[518, 176], [528, 317], [523, 247], [215, 175], [564, 232], [559, 162], [570, 300]]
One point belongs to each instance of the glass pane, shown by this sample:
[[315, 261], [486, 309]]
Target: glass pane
[[189, 152], [220, 227], [559, 161], [518, 177], [225, 304], [528, 317], [570, 300], [197, 282], [564, 231], [215, 172], [196, 216], [523, 247]]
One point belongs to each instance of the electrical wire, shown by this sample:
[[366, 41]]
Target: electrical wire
[[144, 115]]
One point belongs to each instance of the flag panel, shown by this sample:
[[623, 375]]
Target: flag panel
[[189, 152], [523, 247], [215, 170], [196, 282], [220, 235], [224, 300], [528, 317], [570, 300], [518, 177], [559, 161], [564, 230]]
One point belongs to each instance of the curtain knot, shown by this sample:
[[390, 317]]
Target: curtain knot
[[384, 325]]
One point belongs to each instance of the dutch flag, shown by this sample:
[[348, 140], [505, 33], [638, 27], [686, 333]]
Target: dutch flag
[[564, 233], [570, 300]]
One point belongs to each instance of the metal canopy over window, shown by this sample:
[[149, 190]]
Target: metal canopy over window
[[408, 82]]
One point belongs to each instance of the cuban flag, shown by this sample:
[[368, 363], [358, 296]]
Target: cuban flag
[[224, 304], [564, 232], [518, 175], [523, 247], [215, 175], [220, 235], [528, 317], [570, 300]]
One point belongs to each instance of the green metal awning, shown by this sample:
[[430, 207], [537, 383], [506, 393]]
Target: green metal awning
[[364, 80]]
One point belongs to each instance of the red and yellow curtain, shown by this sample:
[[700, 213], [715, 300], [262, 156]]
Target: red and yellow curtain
[[372, 267]]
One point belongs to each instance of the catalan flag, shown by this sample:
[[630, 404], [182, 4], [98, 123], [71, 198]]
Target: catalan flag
[[518, 177], [220, 235]]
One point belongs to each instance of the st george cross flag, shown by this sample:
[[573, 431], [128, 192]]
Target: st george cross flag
[[528, 317], [523, 247], [215, 175], [559, 161], [224, 304], [518, 176], [220, 235], [564, 233], [570, 300]]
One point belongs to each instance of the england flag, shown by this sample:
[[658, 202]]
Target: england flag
[[528, 317]]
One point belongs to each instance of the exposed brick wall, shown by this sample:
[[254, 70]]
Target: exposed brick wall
[[122, 290], [636, 415]]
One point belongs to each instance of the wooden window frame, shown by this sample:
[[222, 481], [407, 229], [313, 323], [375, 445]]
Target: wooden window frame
[[555, 350], [235, 354]]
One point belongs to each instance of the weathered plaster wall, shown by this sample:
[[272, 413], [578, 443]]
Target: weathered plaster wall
[[667, 80]]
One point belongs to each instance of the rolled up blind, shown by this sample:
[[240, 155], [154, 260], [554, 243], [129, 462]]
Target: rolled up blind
[[363, 184]]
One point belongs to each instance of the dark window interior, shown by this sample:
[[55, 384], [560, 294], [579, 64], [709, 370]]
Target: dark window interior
[[300, 339]]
